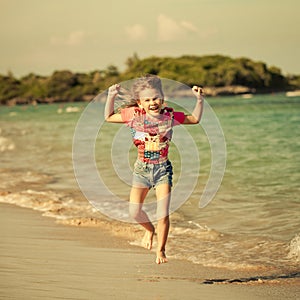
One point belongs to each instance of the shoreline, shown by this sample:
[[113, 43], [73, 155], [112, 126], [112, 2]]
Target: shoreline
[[43, 259], [210, 91]]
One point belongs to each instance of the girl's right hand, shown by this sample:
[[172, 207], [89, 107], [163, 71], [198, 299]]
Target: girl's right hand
[[114, 90], [198, 91]]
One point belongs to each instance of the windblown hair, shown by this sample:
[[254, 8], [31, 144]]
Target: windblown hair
[[130, 98], [147, 82]]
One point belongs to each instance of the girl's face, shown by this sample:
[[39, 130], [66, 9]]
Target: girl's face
[[151, 101]]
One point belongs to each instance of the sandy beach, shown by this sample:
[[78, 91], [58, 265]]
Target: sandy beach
[[44, 260]]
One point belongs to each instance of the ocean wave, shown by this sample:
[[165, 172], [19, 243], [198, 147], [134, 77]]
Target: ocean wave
[[6, 144], [294, 248], [52, 204], [69, 211], [195, 230], [190, 241], [208, 247], [16, 179]]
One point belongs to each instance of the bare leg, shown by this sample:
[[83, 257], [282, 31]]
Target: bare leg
[[137, 197], [163, 194], [162, 236]]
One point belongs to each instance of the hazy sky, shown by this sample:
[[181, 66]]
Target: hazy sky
[[41, 36]]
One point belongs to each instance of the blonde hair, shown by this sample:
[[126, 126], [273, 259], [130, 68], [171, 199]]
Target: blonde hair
[[130, 98]]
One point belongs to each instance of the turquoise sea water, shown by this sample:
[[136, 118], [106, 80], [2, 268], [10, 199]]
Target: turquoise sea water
[[252, 222]]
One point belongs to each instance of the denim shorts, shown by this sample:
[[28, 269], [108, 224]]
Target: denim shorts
[[150, 175]]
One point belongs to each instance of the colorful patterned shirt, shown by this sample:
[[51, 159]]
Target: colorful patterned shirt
[[151, 135]]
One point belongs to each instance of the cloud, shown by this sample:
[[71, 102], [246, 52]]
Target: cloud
[[136, 32], [208, 32], [74, 38], [188, 26], [170, 30]]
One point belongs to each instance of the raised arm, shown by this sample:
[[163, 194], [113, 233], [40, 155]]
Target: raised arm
[[195, 117], [109, 114]]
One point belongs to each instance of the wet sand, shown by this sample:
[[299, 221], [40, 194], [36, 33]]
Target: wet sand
[[40, 259]]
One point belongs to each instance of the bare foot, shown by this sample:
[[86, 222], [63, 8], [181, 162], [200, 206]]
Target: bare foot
[[148, 239], [161, 257]]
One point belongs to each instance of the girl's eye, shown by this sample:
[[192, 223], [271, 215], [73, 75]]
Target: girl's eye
[[152, 99]]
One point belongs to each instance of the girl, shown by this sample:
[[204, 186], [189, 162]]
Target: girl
[[151, 126]]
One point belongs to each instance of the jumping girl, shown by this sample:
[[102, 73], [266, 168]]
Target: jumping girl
[[151, 126]]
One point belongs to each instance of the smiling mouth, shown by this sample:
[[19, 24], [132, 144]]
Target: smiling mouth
[[153, 108]]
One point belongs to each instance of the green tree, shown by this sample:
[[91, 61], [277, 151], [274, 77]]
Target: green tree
[[10, 88], [34, 87]]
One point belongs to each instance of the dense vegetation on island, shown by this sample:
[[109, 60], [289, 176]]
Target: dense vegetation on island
[[218, 74]]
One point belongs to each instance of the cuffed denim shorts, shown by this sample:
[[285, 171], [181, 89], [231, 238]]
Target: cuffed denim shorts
[[150, 175]]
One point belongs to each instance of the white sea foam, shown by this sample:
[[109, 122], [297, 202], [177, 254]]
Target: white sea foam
[[194, 242], [72, 109], [15, 179], [208, 247], [52, 204], [294, 248], [6, 144]]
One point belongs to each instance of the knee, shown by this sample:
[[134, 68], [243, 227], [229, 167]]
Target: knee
[[134, 211], [162, 214], [163, 219]]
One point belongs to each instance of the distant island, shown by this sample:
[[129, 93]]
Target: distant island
[[218, 74]]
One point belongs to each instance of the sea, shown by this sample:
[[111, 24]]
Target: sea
[[249, 221]]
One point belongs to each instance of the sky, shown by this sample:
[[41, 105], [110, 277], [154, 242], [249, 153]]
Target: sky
[[41, 36]]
